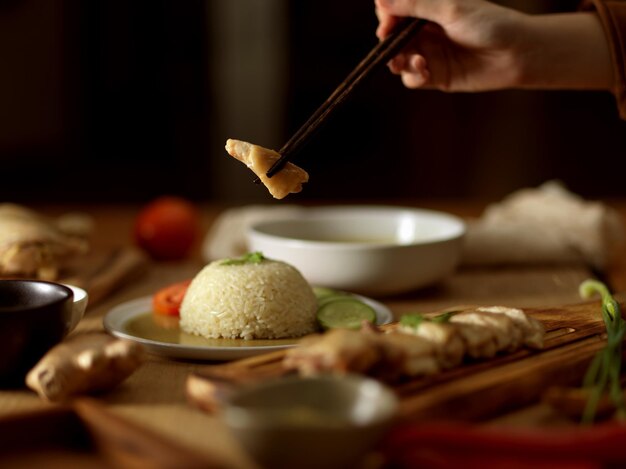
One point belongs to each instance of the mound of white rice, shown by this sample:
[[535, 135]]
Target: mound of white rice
[[265, 300]]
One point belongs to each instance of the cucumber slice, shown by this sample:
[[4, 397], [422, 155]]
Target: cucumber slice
[[323, 292], [345, 313], [327, 299], [324, 295]]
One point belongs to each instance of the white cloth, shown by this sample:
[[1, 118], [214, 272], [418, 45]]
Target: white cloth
[[548, 224], [227, 236]]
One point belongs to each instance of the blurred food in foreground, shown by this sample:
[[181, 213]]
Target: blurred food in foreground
[[167, 228], [459, 444], [288, 180], [31, 245]]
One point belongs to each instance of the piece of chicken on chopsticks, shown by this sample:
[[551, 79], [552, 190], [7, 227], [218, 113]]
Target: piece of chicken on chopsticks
[[288, 180]]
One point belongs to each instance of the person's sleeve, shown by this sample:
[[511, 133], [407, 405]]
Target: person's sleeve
[[612, 14]]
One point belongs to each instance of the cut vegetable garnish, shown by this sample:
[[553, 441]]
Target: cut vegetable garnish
[[345, 313], [167, 300], [414, 320], [326, 295], [248, 258], [603, 374], [322, 292]]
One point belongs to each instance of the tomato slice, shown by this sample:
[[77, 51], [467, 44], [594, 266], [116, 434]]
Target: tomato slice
[[167, 300]]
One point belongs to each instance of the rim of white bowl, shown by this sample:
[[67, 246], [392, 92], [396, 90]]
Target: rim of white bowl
[[79, 293], [457, 226]]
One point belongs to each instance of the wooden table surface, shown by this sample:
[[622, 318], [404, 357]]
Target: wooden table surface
[[154, 396]]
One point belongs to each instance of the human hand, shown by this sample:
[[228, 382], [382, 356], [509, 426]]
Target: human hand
[[476, 45], [467, 46]]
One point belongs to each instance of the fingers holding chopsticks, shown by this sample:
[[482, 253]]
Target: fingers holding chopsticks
[[412, 69], [465, 45], [386, 20], [410, 63], [421, 64], [443, 12], [390, 12]]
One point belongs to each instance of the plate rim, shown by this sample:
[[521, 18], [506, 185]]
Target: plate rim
[[114, 319]]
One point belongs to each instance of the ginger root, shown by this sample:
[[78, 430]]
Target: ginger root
[[84, 364]]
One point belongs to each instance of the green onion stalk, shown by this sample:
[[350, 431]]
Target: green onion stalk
[[603, 374]]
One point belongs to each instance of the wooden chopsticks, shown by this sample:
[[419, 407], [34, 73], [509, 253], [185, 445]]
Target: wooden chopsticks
[[380, 54]]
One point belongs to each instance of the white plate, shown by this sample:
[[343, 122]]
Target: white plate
[[133, 320]]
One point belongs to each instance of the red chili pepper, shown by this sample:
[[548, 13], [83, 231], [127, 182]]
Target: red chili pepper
[[447, 445]]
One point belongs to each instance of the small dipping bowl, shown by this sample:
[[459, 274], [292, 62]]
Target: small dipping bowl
[[326, 421], [376, 250], [35, 315]]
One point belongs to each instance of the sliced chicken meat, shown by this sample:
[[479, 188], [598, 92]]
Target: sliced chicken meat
[[479, 341], [288, 180], [387, 356], [448, 342], [416, 350], [532, 330], [409, 355], [338, 350], [507, 335]]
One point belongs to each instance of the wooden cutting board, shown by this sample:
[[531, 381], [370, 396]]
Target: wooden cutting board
[[473, 391], [85, 435]]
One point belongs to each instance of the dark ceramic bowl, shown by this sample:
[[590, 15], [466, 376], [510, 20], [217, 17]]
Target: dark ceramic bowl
[[34, 316]]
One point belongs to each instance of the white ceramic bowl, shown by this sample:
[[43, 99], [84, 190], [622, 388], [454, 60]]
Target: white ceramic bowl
[[377, 250], [80, 304], [323, 422]]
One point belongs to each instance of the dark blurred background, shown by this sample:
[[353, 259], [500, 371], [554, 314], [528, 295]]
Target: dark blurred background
[[122, 100]]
